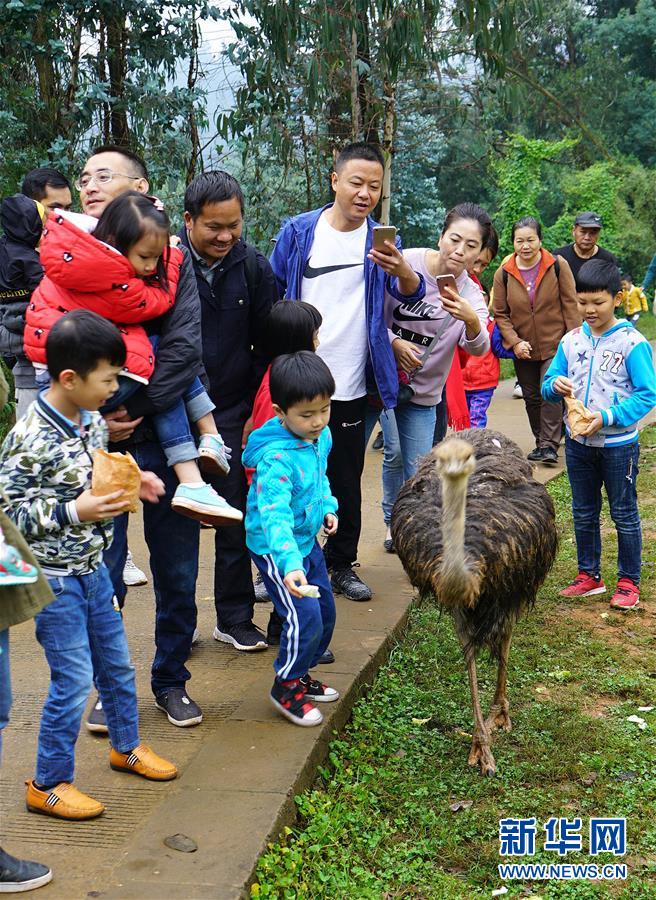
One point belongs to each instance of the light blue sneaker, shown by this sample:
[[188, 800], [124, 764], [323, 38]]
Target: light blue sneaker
[[214, 454], [14, 569], [205, 505]]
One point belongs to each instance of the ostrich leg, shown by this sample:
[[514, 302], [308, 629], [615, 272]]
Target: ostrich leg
[[498, 716], [480, 753]]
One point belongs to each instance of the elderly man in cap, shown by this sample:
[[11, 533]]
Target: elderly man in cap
[[587, 226]]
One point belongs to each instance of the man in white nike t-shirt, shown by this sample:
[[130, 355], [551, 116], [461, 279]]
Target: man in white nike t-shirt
[[325, 257]]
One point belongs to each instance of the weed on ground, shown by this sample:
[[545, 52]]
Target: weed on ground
[[396, 812]]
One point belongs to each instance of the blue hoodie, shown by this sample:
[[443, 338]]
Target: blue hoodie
[[289, 496], [290, 254], [612, 374]]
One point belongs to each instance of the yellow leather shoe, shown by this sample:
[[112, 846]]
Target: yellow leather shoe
[[143, 761], [63, 802]]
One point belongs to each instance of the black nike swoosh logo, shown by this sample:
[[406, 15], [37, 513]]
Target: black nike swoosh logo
[[403, 317], [325, 270]]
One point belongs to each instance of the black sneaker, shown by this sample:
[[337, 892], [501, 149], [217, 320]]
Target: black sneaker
[[379, 442], [17, 875], [317, 691], [549, 457], [259, 587], [536, 455], [96, 721], [274, 629], [244, 636], [326, 658], [180, 709], [290, 699], [345, 581]]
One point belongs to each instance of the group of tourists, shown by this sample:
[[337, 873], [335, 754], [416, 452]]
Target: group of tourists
[[188, 350]]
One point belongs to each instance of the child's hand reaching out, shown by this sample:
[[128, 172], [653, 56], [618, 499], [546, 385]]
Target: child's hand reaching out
[[292, 579], [330, 523], [152, 487]]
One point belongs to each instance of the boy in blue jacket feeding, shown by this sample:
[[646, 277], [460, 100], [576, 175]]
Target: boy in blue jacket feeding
[[608, 366], [289, 501]]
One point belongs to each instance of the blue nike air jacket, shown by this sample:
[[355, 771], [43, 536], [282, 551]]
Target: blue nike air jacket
[[291, 253], [289, 496]]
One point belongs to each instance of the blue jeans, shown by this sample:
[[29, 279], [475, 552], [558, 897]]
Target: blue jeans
[[5, 682], [307, 622], [171, 426], [82, 635], [173, 543], [408, 434], [616, 468]]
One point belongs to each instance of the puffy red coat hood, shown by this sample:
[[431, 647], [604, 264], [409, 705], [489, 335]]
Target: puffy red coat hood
[[84, 273]]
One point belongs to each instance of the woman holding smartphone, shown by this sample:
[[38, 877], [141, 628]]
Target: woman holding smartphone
[[534, 305], [454, 311]]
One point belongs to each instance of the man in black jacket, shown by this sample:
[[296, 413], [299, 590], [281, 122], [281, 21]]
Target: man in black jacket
[[20, 275], [237, 289], [172, 539]]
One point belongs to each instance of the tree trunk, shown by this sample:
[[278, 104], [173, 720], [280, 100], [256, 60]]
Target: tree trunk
[[116, 43], [46, 77], [192, 75], [356, 113], [388, 150]]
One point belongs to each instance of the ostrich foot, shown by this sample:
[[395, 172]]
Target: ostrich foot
[[481, 755], [498, 717]]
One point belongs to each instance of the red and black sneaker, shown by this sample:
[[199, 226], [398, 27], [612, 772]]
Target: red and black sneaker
[[290, 699], [584, 585], [626, 596], [318, 691]]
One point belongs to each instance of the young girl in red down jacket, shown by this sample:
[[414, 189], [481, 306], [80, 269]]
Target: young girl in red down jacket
[[127, 272]]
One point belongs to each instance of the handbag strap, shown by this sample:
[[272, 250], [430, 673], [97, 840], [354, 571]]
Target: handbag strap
[[431, 346]]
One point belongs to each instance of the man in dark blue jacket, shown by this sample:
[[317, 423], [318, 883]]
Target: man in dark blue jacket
[[326, 258], [237, 289]]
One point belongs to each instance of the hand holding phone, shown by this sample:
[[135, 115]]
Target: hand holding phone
[[446, 281], [383, 233]]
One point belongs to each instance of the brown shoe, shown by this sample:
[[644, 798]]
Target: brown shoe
[[142, 761], [63, 802]]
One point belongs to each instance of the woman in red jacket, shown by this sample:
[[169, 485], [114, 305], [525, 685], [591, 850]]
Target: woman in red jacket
[[126, 272]]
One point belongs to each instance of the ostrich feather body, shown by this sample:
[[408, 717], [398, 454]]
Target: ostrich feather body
[[510, 537]]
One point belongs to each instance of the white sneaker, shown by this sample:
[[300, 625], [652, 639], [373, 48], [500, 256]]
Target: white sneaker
[[518, 393], [132, 575], [195, 636]]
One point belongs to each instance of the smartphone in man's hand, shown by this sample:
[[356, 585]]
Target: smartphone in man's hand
[[383, 233]]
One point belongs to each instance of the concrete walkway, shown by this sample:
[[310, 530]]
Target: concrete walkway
[[240, 769]]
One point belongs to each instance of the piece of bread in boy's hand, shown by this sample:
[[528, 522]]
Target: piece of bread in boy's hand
[[578, 416], [308, 590], [116, 472]]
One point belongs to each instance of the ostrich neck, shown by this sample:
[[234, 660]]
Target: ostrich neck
[[455, 577]]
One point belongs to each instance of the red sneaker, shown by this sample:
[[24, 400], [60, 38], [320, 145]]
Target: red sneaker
[[626, 596], [584, 585]]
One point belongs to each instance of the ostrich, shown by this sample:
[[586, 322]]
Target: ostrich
[[477, 533]]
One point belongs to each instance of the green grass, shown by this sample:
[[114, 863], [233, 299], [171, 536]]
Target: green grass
[[378, 824]]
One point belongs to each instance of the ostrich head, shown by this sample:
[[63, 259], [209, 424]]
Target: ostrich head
[[455, 583], [454, 459]]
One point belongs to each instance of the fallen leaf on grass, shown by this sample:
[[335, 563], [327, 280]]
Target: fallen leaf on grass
[[589, 779], [559, 674], [638, 721], [627, 776], [460, 804], [603, 616], [464, 734], [420, 721], [499, 892], [400, 754], [540, 690], [645, 708]]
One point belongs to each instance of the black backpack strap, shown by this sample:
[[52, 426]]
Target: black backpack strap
[[504, 275], [251, 270]]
